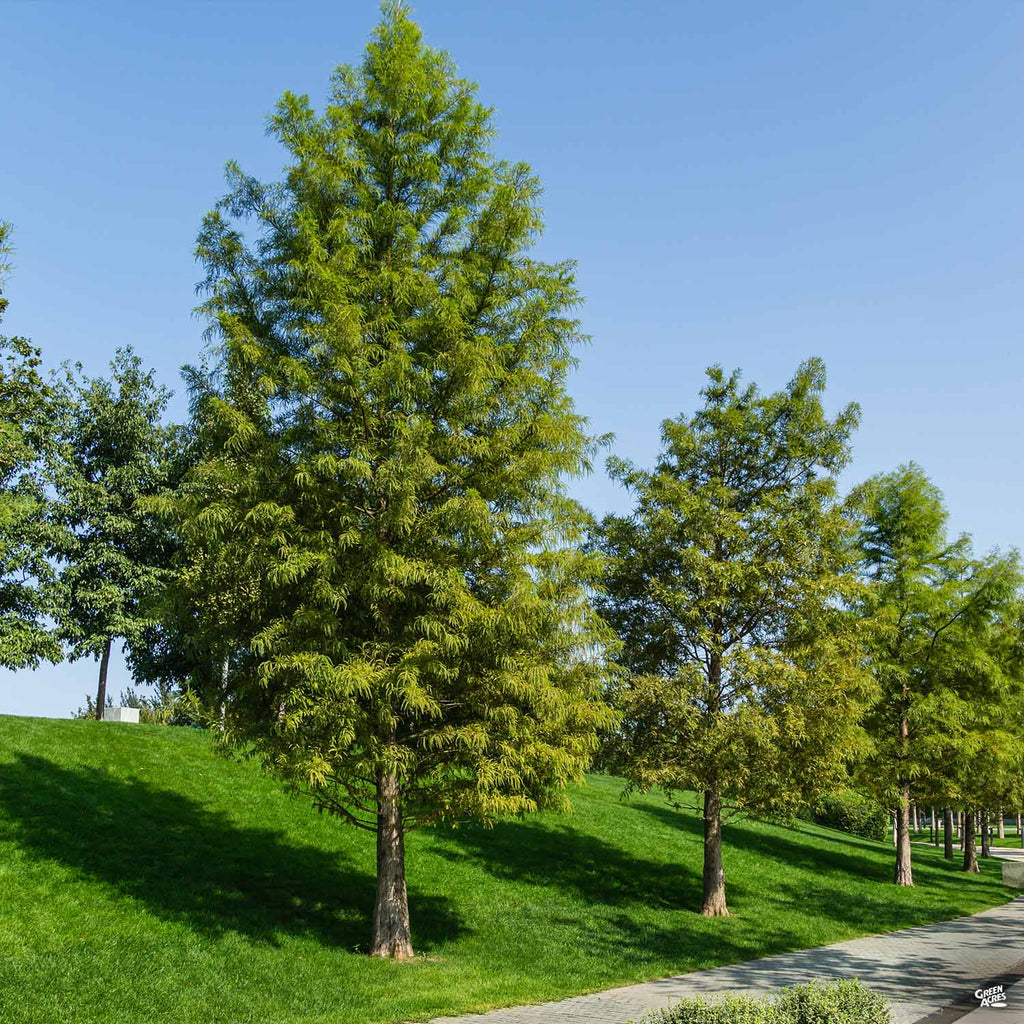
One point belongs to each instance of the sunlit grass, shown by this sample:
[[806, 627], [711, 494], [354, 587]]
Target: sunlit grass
[[146, 880]]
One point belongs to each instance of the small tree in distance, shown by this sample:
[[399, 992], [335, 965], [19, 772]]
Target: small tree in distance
[[725, 586], [388, 448], [112, 454]]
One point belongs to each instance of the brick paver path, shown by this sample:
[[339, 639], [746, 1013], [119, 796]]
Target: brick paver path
[[919, 970]]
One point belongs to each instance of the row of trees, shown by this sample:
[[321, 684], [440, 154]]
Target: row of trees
[[781, 640], [360, 557]]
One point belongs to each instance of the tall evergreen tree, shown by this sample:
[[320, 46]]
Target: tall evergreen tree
[[390, 447], [724, 585], [27, 409], [113, 454], [930, 605], [203, 610]]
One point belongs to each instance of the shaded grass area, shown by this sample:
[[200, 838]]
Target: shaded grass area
[[145, 880]]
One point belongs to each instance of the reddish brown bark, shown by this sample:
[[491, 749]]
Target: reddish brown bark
[[392, 936], [714, 874], [970, 850]]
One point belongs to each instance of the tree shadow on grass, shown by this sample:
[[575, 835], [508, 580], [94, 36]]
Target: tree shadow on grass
[[539, 853], [188, 863], [821, 860], [774, 912], [642, 914], [861, 859], [639, 913]]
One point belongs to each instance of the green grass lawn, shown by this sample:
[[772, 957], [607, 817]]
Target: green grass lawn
[[1011, 839], [146, 880]]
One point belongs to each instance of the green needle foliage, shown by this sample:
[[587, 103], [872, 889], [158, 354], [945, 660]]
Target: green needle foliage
[[185, 651], [386, 457], [26, 574], [935, 652], [725, 585], [111, 456], [204, 610]]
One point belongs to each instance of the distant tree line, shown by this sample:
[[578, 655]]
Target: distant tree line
[[359, 561]]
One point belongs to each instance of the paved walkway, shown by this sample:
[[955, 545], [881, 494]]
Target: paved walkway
[[929, 970]]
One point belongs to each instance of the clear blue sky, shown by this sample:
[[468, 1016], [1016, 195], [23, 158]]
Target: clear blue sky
[[743, 183]]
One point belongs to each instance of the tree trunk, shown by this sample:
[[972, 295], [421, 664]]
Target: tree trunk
[[714, 873], [970, 850], [947, 832], [986, 833], [391, 933], [903, 874], [893, 816], [935, 828], [1001, 824], [101, 689], [914, 812], [1020, 831]]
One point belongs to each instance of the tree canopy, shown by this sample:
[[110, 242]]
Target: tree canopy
[[111, 453], [725, 585], [389, 443], [27, 406]]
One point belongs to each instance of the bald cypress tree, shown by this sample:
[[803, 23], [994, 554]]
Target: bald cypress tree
[[388, 446], [724, 584]]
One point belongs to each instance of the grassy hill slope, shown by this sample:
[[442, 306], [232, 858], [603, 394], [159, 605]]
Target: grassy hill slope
[[144, 879]]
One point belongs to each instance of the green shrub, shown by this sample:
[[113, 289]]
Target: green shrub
[[850, 811], [833, 1002], [836, 1002], [729, 1010]]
